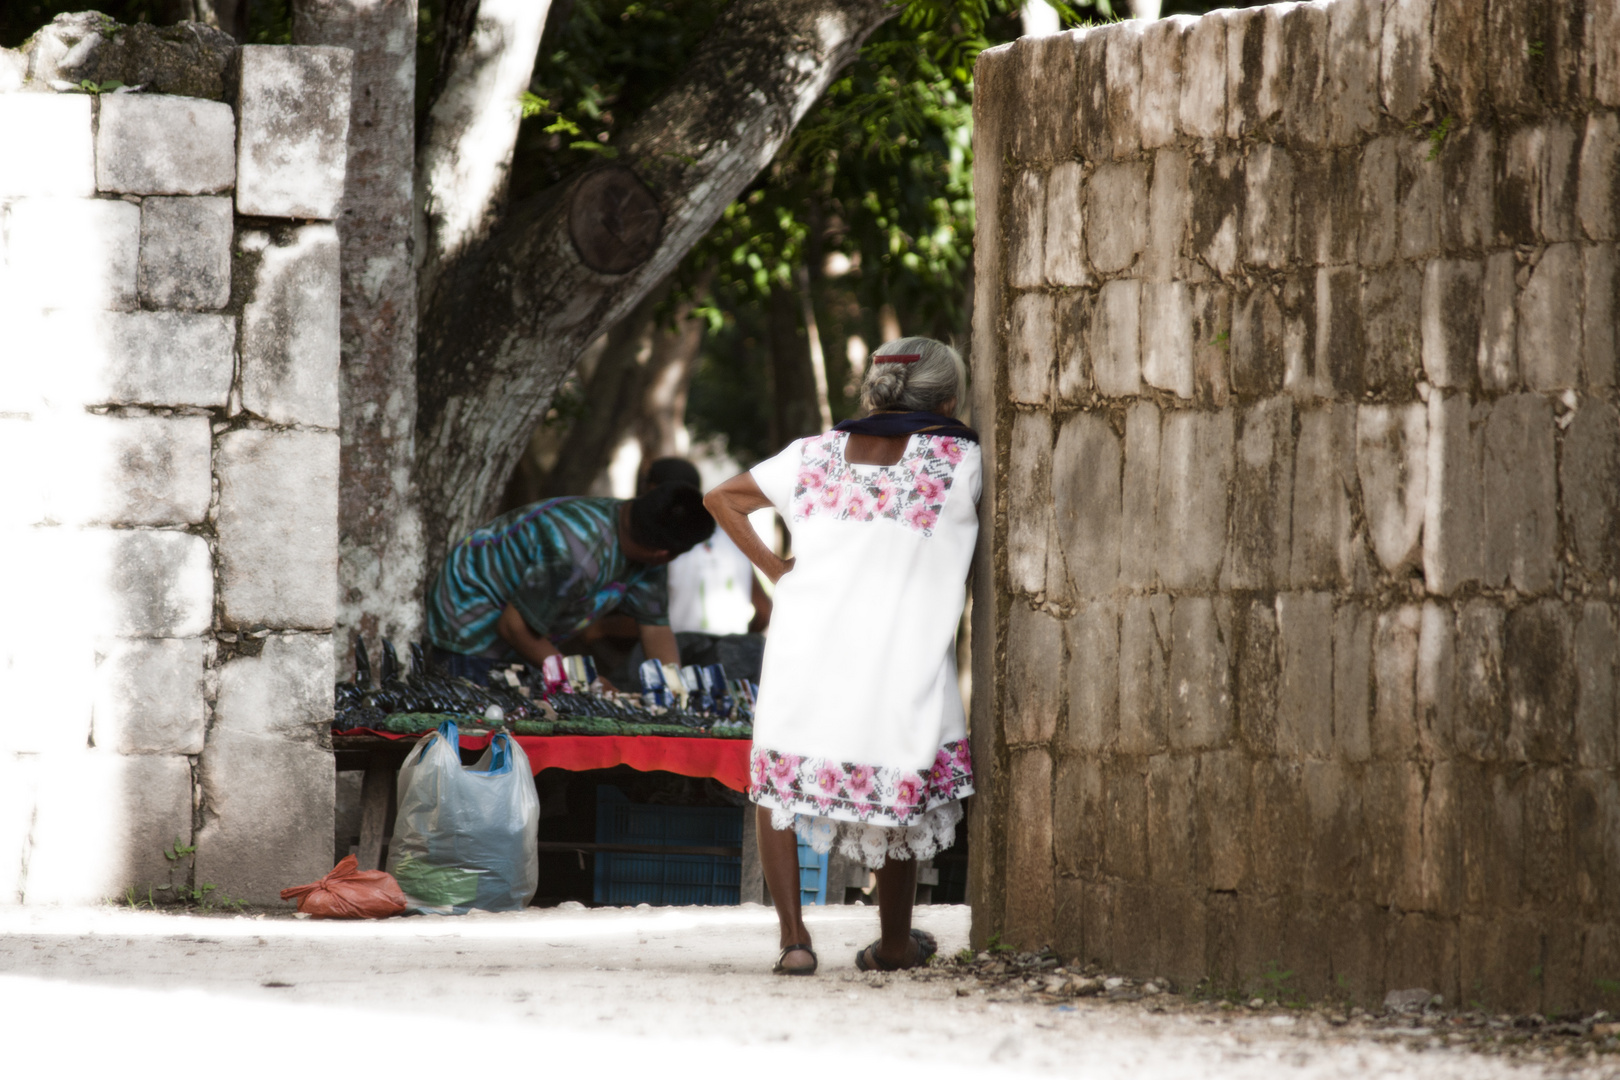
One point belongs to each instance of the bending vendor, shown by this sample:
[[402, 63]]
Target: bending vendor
[[532, 577]]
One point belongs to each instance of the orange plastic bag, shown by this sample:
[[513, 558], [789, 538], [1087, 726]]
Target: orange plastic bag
[[349, 892]]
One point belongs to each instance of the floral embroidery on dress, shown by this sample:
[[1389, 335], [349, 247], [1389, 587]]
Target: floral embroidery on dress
[[911, 492], [872, 794]]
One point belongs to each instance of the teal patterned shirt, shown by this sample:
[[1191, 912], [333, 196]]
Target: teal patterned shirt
[[558, 562]]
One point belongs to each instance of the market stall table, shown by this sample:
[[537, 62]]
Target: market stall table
[[380, 754]]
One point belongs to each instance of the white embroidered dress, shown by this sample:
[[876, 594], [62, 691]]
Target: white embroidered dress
[[859, 735]]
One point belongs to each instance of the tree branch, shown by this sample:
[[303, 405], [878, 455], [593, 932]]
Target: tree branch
[[467, 138], [508, 319]]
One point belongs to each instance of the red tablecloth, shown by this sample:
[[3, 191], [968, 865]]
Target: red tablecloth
[[726, 760]]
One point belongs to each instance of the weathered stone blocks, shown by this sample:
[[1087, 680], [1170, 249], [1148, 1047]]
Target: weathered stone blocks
[[148, 583], [143, 358], [149, 696], [132, 470], [1405, 67], [1355, 33], [1029, 486], [1324, 469], [1589, 475], [293, 128], [1598, 185], [1203, 78], [1199, 674], [1268, 216], [1144, 633], [1195, 464], [267, 819], [1161, 80], [1115, 236], [60, 158], [1093, 642], [1138, 543], [1600, 315], [290, 349], [285, 690], [1521, 494], [1167, 337], [1262, 493], [1115, 339], [1305, 647], [1549, 308], [1087, 469], [1029, 856], [1498, 342], [277, 536], [1035, 674], [1026, 236], [186, 253], [1064, 253], [73, 253], [156, 144], [1450, 314], [1031, 348], [1392, 461]]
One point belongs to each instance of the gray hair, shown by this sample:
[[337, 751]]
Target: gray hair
[[924, 385]]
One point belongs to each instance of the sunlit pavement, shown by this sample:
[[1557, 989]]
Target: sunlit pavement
[[649, 992]]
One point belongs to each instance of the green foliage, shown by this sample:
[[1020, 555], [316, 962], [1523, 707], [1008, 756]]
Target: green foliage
[[91, 87], [203, 898], [1277, 985], [994, 945], [965, 955]]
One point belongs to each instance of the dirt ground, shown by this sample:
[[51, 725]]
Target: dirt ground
[[666, 992]]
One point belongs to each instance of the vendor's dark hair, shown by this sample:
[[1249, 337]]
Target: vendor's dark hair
[[670, 470], [670, 518]]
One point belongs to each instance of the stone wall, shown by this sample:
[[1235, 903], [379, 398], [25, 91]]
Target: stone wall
[[168, 479], [1294, 346]]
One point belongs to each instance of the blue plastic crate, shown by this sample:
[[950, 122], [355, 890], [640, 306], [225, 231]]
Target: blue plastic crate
[[624, 879], [812, 875]]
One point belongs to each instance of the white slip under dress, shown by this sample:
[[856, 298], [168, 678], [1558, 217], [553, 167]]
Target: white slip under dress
[[859, 735]]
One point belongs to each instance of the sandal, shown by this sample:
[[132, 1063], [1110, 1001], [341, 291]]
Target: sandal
[[926, 948], [779, 968]]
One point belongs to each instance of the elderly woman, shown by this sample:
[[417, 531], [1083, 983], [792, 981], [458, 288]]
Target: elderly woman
[[859, 736]]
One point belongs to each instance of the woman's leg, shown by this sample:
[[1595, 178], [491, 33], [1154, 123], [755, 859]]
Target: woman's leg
[[897, 890], [779, 858]]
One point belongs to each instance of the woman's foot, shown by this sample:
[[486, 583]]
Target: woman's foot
[[796, 959], [918, 949]]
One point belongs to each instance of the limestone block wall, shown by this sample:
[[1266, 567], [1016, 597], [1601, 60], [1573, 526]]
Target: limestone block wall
[[168, 482], [1294, 347]]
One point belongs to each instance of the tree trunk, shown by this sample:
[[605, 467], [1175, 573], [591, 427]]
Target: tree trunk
[[506, 320], [486, 59], [635, 387], [793, 382], [380, 529]]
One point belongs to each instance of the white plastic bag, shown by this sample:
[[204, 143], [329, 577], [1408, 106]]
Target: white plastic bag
[[466, 837]]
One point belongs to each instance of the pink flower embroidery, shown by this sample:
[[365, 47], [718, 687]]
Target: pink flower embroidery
[[832, 497], [783, 767], [758, 771], [811, 477], [929, 489], [859, 781], [859, 505], [964, 755], [883, 495], [949, 449], [921, 518], [827, 779], [908, 791]]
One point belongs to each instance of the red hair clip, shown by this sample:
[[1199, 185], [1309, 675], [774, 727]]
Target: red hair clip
[[897, 358]]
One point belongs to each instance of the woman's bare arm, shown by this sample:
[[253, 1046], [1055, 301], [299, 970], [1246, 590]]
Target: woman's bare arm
[[731, 503]]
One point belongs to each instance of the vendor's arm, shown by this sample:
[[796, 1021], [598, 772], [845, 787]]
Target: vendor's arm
[[533, 647], [731, 503], [658, 642]]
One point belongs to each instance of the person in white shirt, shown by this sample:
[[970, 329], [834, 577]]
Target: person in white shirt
[[712, 588]]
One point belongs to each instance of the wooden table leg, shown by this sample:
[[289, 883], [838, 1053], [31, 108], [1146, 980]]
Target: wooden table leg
[[376, 789]]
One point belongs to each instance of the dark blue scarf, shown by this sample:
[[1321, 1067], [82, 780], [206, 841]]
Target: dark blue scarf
[[890, 423]]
